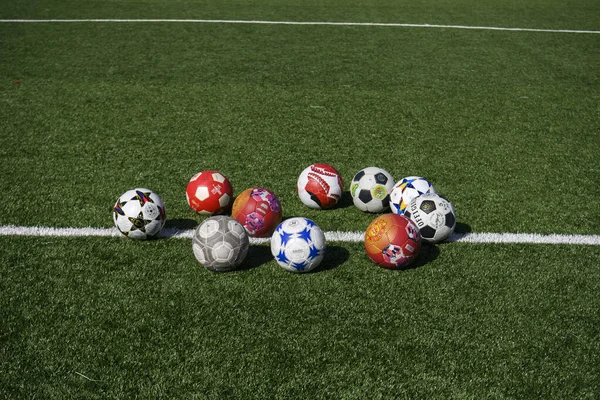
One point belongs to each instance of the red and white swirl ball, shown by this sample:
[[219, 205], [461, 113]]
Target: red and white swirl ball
[[320, 186]]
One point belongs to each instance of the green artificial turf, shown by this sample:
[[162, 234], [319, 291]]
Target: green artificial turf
[[117, 318], [505, 124]]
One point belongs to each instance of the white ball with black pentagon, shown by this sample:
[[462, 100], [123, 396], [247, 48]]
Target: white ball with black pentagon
[[139, 214], [370, 189], [298, 245], [407, 189], [220, 243], [434, 215]]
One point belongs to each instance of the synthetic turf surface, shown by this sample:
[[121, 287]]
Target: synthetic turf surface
[[504, 124]]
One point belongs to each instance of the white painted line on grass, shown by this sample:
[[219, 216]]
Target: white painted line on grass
[[330, 23], [333, 236]]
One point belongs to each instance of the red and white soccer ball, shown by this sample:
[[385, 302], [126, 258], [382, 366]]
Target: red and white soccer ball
[[320, 186], [209, 193]]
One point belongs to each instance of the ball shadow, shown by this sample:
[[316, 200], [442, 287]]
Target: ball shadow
[[345, 201], [180, 223], [428, 253], [257, 256], [334, 257], [462, 228]]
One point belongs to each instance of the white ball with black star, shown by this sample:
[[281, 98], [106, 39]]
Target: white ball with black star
[[298, 245], [139, 213], [370, 189], [434, 215]]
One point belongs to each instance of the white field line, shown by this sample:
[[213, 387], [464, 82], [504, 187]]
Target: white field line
[[336, 236], [259, 22]]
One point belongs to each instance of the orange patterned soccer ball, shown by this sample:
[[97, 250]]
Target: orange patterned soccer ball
[[392, 241], [258, 210]]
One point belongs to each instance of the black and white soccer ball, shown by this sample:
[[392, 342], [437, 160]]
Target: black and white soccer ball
[[434, 215], [298, 245], [220, 243], [371, 188], [139, 213]]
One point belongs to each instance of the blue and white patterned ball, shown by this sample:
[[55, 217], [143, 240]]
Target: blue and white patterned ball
[[407, 189], [298, 245]]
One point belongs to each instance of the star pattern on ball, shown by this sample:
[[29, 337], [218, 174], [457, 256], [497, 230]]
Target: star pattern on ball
[[313, 252], [306, 234], [143, 197], [281, 257], [118, 210], [300, 266], [139, 223], [285, 237]]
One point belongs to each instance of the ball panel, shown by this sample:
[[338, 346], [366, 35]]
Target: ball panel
[[217, 243], [209, 192]]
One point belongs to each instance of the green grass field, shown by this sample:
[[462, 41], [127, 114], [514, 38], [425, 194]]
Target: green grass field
[[504, 123]]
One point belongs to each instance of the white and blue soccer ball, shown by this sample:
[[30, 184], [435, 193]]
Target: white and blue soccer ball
[[139, 213], [298, 245], [407, 189], [220, 243]]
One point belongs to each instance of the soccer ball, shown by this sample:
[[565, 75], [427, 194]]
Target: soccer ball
[[209, 192], [320, 186], [220, 243], [298, 245], [392, 241], [139, 213], [434, 215], [406, 190], [258, 210], [370, 189]]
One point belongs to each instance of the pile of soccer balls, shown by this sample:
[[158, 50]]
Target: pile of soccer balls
[[221, 243]]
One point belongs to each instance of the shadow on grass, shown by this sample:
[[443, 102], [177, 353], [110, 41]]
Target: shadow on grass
[[427, 254], [180, 224], [334, 257], [345, 201], [257, 255], [462, 228]]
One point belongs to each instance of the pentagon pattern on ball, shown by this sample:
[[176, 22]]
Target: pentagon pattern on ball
[[370, 189], [209, 193], [220, 243], [381, 178], [359, 175], [365, 196], [427, 206], [434, 216], [427, 232]]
